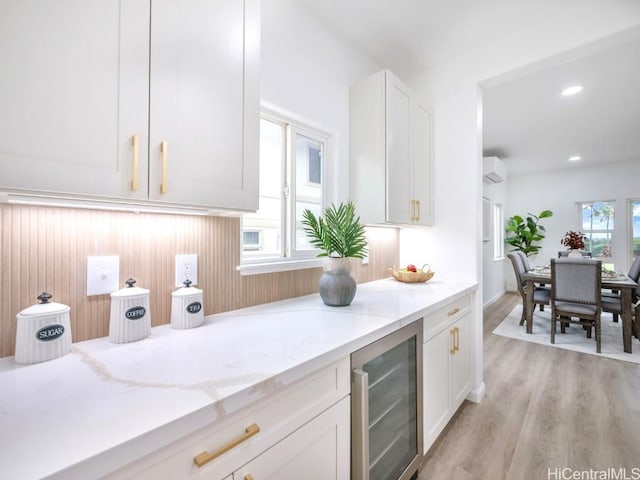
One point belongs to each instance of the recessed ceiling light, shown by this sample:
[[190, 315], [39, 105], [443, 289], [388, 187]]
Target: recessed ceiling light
[[575, 158], [572, 90]]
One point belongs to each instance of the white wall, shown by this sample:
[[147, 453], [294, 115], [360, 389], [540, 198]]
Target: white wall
[[306, 73], [452, 86], [559, 191]]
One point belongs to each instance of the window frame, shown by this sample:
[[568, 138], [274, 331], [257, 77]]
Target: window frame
[[497, 217], [586, 232], [290, 258], [629, 247]]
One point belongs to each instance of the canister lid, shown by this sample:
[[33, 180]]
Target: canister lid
[[186, 290], [45, 307], [130, 290]]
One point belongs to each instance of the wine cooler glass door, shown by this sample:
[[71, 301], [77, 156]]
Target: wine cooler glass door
[[386, 383]]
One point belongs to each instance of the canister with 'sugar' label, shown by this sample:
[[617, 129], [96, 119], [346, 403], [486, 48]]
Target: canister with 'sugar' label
[[43, 331], [130, 318]]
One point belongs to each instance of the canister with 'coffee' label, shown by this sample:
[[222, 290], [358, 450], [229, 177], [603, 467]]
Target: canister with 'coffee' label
[[186, 307], [130, 318], [43, 332]]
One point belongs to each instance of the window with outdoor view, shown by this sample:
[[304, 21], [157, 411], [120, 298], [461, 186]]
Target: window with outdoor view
[[597, 220], [634, 211], [291, 180], [498, 232]]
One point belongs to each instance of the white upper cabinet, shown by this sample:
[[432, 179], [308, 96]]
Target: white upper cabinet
[[74, 89], [204, 102], [391, 162], [132, 101]]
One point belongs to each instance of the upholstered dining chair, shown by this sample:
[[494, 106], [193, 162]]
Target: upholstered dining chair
[[541, 295], [576, 295], [527, 267], [611, 301]]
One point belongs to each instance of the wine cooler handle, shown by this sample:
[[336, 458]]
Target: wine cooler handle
[[360, 428]]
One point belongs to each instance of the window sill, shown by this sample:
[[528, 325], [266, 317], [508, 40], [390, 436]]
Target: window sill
[[278, 266]]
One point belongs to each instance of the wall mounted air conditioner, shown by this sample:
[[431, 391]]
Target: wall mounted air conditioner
[[494, 169]]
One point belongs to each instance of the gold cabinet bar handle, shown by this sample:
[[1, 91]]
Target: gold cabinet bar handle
[[134, 178], [451, 313], [417, 210], [452, 334], [457, 337], [164, 147], [413, 210], [205, 457]]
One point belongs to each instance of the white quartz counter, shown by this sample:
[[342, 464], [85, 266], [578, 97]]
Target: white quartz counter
[[105, 405]]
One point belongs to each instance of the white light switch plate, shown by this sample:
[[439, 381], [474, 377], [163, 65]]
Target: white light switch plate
[[186, 268], [103, 275]]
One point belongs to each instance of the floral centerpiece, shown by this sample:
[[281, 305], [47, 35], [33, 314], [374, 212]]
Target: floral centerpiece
[[573, 240]]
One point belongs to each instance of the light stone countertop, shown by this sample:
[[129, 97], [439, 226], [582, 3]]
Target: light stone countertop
[[105, 405]]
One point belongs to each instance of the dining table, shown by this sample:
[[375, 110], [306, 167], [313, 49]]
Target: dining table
[[610, 280]]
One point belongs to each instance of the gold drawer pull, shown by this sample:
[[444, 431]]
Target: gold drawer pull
[[134, 177], [248, 476], [417, 210], [453, 312], [205, 457], [164, 149]]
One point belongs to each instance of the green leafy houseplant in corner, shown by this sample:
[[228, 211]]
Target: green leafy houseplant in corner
[[523, 234], [340, 236]]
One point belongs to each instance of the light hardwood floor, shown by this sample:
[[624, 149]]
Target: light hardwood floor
[[545, 409]]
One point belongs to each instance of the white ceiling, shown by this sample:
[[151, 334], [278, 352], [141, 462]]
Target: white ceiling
[[526, 121], [530, 125]]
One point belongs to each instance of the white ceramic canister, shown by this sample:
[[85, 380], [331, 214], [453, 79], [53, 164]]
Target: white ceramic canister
[[130, 314], [186, 307], [43, 332]]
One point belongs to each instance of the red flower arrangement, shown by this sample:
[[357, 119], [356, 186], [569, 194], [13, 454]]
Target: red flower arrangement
[[573, 240]]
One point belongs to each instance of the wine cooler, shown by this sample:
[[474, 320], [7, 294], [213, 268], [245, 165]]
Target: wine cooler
[[386, 396]]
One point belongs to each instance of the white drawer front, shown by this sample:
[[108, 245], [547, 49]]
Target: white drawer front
[[276, 416], [435, 322]]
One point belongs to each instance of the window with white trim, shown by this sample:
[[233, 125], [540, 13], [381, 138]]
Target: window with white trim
[[498, 232], [292, 159], [597, 225], [634, 230]]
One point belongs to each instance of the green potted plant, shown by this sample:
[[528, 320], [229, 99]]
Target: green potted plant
[[523, 234], [340, 236]]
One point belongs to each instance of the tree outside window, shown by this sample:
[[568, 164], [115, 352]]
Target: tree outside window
[[634, 210], [597, 226]]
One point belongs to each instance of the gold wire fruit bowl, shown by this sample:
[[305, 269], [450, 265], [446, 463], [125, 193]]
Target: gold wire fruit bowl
[[406, 276]]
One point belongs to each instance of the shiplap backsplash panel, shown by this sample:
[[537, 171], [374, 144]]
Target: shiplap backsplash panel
[[46, 249]]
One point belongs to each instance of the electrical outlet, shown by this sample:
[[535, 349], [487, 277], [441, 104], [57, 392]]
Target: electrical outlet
[[186, 269], [103, 275]]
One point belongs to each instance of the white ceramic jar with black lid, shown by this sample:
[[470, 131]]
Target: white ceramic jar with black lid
[[130, 318], [43, 332], [186, 307]]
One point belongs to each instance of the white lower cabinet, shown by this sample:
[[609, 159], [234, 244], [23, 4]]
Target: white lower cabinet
[[319, 450], [446, 365], [301, 431]]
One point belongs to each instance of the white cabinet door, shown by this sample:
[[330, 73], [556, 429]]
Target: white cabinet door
[[398, 146], [319, 450], [436, 391], [73, 92], [422, 166], [204, 103], [461, 362], [446, 373]]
